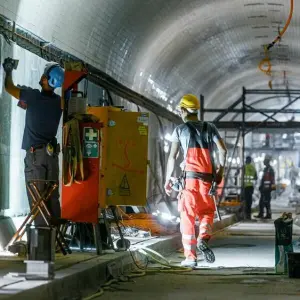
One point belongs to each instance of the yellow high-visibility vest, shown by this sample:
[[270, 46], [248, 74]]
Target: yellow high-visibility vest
[[249, 175]]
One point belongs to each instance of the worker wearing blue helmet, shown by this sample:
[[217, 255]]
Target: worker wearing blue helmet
[[43, 114]]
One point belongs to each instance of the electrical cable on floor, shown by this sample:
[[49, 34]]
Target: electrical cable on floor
[[149, 255]]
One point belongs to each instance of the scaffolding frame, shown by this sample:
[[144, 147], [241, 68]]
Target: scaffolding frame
[[245, 127]]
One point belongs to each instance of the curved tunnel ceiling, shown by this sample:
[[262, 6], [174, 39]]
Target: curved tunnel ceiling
[[165, 48]]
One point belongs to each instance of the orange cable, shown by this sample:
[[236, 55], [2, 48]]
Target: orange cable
[[265, 65]]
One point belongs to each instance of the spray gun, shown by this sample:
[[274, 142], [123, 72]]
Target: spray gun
[[9, 64], [212, 192]]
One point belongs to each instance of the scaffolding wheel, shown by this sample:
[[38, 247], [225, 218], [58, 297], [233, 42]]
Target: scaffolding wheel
[[120, 242]]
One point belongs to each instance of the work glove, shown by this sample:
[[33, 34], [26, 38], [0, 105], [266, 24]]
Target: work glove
[[9, 64], [168, 187]]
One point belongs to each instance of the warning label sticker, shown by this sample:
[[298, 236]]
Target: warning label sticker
[[143, 119], [143, 130], [124, 188]]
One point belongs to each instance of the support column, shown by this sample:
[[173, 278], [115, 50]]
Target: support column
[[243, 141]]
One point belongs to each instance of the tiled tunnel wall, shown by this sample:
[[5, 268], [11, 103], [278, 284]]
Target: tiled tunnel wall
[[163, 49], [5, 124], [12, 186]]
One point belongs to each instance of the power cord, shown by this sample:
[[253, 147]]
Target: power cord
[[265, 64], [150, 255]]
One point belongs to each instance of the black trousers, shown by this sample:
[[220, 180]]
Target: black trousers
[[39, 165], [265, 202], [248, 201]]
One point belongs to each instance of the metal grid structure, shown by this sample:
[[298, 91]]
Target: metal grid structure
[[152, 52], [244, 127], [163, 49]]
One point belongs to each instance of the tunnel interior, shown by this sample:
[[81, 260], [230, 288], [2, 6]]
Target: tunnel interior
[[179, 48], [144, 56]]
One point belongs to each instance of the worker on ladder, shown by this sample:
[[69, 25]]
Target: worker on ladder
[[198, 177], [250, 176], [43, 114], [267, 185]]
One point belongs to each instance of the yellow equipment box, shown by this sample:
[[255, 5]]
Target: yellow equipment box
[[123, 156]]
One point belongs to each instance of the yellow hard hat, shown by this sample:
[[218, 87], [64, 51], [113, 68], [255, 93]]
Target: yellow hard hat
[[189, 101]]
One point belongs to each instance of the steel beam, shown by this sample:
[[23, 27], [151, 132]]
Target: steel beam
[[264, 149], [271, 92], [250, 107], [252, 110], [225, 111], [280, 110], [242, 195], [251, 125], [260, 101]]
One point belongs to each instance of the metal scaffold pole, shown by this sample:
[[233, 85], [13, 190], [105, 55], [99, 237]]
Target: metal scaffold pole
[[243, 150]]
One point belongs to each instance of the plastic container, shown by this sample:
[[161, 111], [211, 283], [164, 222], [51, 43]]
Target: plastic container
[[283, 242], [294, 264], [41, 243]]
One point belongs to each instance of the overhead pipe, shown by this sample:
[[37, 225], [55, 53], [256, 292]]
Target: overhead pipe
[[265, 64], [29, 41], [282, 32]]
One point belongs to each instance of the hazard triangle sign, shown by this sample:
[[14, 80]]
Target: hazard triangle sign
[[124, 188]]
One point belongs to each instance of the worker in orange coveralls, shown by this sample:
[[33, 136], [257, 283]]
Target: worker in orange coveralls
[[199, 174]]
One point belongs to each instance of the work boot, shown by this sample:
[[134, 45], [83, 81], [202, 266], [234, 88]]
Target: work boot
[[259, 216], [206, 251], [268, 216], [189, 263]]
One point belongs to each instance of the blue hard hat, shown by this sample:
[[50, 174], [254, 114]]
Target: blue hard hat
[[54, 74]]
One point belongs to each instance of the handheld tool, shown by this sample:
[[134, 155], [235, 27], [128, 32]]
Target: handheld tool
[[212, 192]]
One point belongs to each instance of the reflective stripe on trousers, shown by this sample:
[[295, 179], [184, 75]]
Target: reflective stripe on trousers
[[205, 229], [194, 202]]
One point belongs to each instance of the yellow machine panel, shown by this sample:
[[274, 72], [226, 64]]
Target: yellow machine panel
[[124, 155]]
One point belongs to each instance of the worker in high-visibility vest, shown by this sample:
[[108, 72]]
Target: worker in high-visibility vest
[[250, 176]]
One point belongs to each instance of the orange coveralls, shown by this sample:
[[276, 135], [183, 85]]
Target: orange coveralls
[[194, 201]]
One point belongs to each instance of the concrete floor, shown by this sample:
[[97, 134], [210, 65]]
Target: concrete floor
[[198, 287], [244, 269]]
